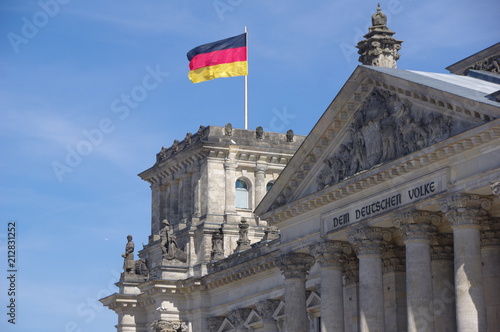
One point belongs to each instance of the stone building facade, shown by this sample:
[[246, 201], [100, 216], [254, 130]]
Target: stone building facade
[[388, 213]]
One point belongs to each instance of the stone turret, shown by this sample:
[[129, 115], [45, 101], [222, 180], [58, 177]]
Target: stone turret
[[379, 48]]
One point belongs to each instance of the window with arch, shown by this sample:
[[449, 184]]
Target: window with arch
[[242, 197], [269, 185]]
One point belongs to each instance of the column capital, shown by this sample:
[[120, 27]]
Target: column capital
[[465, 210], [367, 240], [266, 309], [490, 234], [442, 246], [295, 265], [416, 225], [329, 253]]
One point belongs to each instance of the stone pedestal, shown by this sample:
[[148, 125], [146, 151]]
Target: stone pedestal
[[415, 227], [367, 241], [465, 213], [295, 267], [328, 254]]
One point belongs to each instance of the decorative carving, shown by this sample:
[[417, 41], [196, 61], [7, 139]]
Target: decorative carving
[[243, 241], [266, 309], [169, 247], [495, 188], [295, 265], [289, 135], [237, 317], [128, 255], [169, 326], [141, 267], [218, 245], [385, 128], [329, 253], [368, 240], [163, 154], [228, 130], [393, 259], [214, 323], [465, 209], [271, 233], [379, 48], [379, 18], [416, 225], [442, 246], [491, 64], [259, 133]]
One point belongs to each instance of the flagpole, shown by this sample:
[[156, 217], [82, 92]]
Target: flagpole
[[246, 83]]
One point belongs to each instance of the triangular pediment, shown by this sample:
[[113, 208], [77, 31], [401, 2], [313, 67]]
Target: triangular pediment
[[379, 116]]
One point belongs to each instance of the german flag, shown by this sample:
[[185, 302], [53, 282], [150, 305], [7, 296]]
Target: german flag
[[223, 58]]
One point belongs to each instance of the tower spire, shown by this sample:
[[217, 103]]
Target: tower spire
[[379, 48]]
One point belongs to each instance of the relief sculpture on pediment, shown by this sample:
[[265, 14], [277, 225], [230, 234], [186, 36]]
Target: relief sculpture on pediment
[[385, 128]]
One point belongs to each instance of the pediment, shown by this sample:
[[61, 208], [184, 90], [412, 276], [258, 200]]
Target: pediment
[[379, 116]]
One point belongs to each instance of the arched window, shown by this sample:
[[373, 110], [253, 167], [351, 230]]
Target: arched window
[[269, 185], [242, 196]]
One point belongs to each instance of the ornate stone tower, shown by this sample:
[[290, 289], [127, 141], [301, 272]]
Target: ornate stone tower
[[379, 48]]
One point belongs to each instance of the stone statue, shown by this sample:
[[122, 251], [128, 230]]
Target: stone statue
[[141, 267], [289, 135], [128, 255], [175, 146], [200, 131], [218, 245], [188, 138], [259, 132], [168, 241], [228, 130]]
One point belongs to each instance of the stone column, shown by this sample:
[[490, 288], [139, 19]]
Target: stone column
[[328, 255], [465, 213], [260, 183], [266, 309], [366, 242], [351, 293], [195, 185], [443, 284], [295, 267], [394, 277], [230, 180], [490, 251], [415, 227]]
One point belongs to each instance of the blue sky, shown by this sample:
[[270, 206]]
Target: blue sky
[[72, 144]]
